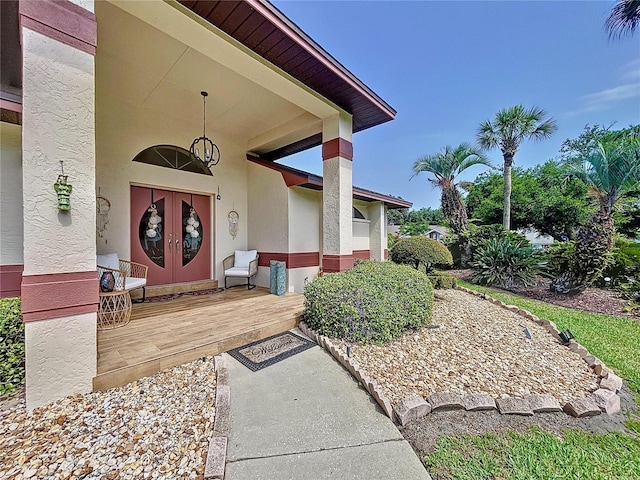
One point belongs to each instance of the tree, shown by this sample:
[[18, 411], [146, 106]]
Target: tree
[[445, 166], [624, 18], [541, 198], [508, 130], [611, 171]]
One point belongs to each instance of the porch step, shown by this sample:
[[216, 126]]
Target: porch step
[[156, 290], [131, 373]]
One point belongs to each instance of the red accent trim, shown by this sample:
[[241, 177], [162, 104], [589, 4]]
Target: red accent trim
[[10, 280], [293, 260], [61, 20], [59, 295], [386, 254], [362, 254], [338, 147], [293, 177], [11, 106], [336, 263]]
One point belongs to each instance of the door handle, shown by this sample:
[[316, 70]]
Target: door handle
[[169, 243], [177, 245]]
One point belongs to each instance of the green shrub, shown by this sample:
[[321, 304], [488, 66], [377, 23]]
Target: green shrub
[[442, 280], [11, 345], [505, 264], [374, 302], [471, 239], [625, 262], [416, 251], [557, 256]]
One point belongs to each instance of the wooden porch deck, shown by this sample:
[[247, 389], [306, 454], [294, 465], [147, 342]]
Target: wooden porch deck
[[165, 334]]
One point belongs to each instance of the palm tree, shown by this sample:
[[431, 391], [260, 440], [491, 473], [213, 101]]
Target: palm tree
[[508, 130], [611, 171], [624, 18], [445, 166]]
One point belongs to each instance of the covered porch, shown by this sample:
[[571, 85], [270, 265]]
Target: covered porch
[[169, 333]]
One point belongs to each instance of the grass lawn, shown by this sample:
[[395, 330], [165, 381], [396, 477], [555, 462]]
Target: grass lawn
[[541, 455]]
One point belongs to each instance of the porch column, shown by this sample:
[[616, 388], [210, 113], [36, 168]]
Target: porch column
[[337, 194], [377, 230], [59, 285]]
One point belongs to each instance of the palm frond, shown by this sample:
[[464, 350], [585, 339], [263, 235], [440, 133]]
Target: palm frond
[[624, 18]]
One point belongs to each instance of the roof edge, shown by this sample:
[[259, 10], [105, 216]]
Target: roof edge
[[299, 178]]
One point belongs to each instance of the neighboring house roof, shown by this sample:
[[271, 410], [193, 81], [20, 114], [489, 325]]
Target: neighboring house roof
[[535, 238], [264, 29], [438, 229], [298, 178]]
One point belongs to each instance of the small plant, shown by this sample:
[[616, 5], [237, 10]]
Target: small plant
[[441, 281], [463, 247], [374, 302], [505, 264], [11, 345], [421, 251]]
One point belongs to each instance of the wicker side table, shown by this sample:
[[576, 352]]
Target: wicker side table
[[114, 310]]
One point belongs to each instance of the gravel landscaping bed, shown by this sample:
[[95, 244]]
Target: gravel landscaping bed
[[156, 427], [474, 346]]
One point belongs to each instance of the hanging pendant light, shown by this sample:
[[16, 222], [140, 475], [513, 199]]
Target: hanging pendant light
[[202, 148]]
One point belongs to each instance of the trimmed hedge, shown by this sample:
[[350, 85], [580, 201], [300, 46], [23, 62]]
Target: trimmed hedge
[[442, 281], [374, 302], [420, 250], [11, 345]]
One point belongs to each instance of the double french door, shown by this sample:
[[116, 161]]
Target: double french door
[[171, 233]]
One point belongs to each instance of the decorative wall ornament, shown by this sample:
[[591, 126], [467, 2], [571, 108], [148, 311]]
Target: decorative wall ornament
[[233, 218], [103, 206], [63, 189]]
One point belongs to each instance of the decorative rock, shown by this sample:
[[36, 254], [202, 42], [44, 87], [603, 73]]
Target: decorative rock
[[590, 360], [478, 401], [607, 400], [514, 406], [582, 407], [216, 457], [411, 408], [543, 403], [602, 370], [611, 382], [445, 401]]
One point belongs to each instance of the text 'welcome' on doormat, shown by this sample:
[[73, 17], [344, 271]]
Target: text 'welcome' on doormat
[[261, 354]]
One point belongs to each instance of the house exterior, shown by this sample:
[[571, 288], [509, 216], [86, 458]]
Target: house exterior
[[107, 95]]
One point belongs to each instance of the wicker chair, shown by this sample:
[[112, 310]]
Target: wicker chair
[[242, 264], [127, 275]]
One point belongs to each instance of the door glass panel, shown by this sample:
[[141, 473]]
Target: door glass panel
[[191, 233], [150, 233]]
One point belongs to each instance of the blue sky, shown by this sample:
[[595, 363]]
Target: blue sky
[[445, 66]]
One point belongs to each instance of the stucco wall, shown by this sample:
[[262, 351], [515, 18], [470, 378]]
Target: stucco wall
[[61, 358], [360, 234], [268, 213], [124, 130], [11, 226], [305, 220], [57, 79]]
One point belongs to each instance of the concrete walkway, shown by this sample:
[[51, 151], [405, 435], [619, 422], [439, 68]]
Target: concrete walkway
[[306, 418]]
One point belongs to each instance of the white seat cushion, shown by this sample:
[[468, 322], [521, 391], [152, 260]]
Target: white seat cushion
[[243, 257], [133, 283], [237, 272], [109, 260]]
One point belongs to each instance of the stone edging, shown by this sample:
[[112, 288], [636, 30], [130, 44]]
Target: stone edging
[[604, 399], [217, 452]]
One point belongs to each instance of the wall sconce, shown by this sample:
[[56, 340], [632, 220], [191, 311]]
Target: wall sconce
[[63, 189]]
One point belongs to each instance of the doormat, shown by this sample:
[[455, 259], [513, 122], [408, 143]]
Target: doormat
[[173, 296], [261, 354]]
